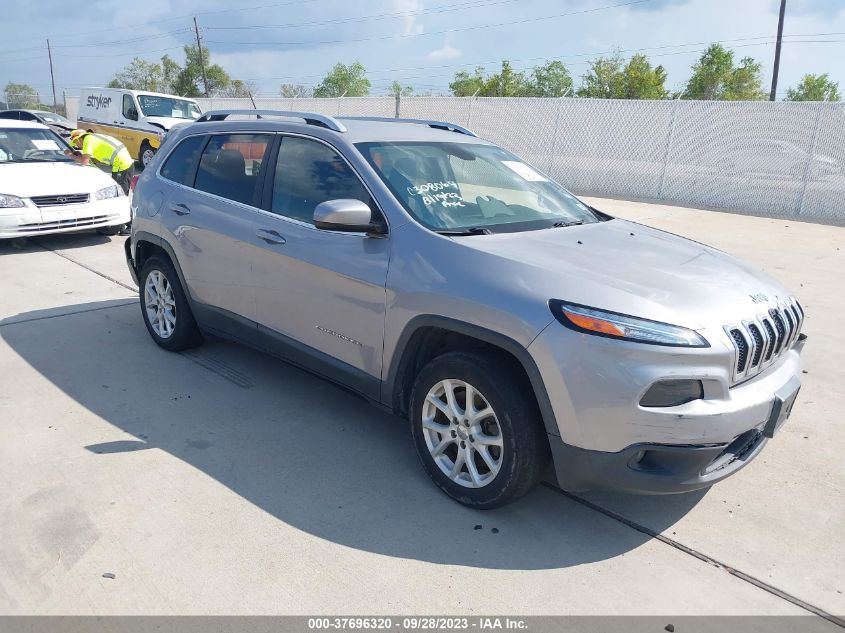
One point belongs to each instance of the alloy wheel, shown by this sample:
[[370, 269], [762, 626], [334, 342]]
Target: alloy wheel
[[160, 304], [462, 433]]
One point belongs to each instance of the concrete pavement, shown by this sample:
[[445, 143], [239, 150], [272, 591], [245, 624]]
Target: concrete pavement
[[222, 481]]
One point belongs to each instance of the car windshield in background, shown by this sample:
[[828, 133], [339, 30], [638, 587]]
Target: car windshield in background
[[58, 119], [19, 145], [471, 188], [152, 105]]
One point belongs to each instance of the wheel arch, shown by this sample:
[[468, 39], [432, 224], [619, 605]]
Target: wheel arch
[[147, 245], [427, 336]]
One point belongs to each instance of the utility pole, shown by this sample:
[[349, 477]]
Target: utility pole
[[202, 61], [777, 51], [52, 78]]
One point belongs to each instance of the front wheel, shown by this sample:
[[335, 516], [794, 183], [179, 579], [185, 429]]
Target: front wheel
[[147, 153], [477, 429], [165, 308], [108, 230]]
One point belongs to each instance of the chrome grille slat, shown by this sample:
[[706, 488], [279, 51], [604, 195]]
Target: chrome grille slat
[[760, 341]]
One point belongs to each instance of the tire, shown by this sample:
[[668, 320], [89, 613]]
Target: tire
[[146, 155], [511, 433], [176, 330], [108, 230]]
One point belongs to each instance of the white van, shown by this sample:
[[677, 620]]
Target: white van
[[137, 118]]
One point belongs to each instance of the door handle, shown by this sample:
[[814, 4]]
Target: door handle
[[180, 209], [271, 237]]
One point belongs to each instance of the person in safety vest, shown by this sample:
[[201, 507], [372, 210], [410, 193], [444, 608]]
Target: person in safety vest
[[107, 153]]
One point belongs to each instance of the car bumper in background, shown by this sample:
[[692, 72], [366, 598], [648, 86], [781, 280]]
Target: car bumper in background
[[33, 221]]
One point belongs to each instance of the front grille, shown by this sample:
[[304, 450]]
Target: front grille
[[65, 224], [759, 341], [60, 200]]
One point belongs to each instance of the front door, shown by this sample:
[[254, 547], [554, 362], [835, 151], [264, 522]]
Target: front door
[[322, 291]]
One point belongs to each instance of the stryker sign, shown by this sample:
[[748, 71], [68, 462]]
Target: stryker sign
[[98, 102]]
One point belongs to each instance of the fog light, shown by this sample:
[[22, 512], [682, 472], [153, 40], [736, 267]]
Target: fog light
[[671, 393]]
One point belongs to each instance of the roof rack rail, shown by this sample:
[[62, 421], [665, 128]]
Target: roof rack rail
[[311, 118], [440, 125]]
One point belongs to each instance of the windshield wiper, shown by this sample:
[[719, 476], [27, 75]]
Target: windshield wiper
[[472, 230], [562, 224]]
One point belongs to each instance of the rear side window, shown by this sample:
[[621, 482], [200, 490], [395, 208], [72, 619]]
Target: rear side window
[[230, 164], [180, 165], [308, 173]]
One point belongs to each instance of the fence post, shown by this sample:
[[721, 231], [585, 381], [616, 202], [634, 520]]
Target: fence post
[[669, 139], [397, 106], [808, 166]]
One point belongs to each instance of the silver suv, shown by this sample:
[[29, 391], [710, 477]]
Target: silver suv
[[522, 332]]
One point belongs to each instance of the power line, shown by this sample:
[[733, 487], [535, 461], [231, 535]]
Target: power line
[[443, 8], [445, 31]]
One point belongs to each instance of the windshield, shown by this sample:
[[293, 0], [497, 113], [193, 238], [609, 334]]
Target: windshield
[[52, 117], [171, 107], [462, 187], [19, 145]]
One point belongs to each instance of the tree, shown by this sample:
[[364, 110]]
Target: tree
[[344, 80], [170, 70], [605, 78], [189, 82], [21, 96], [506, 83], [398, 90], [714, 76], [466, 85], [814, 88], [138, 75], [550, 80], [641, 81], [295, 91], [239, 88]]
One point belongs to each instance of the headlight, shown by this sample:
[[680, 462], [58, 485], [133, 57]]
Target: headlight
[[614, 325], [10, 202], [108, 192]]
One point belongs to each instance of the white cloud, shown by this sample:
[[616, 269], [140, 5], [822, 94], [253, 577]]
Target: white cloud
[[447, 51], [408, 23]]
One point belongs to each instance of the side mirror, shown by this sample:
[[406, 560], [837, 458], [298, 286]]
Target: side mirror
[[132, 114], [344, 214]]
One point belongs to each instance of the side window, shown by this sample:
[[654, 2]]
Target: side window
[[181, 164], [129, 109], [8, 115], [230, 164], [308, 173]]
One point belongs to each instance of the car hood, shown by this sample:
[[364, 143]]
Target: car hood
[[44, 179], [167, 122], [630, 268]]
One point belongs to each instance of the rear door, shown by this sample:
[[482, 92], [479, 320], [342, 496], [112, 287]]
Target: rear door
[[324, 290], [209, 219]]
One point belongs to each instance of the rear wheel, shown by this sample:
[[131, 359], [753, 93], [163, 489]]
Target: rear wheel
[[165, 308], [477, 430], [146, 156]]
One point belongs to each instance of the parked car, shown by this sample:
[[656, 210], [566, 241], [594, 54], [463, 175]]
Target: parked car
[[445, 280], [59, 124], [43, 191], [139, 119]]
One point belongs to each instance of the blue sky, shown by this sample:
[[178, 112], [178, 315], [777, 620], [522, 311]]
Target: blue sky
[[418, 42]]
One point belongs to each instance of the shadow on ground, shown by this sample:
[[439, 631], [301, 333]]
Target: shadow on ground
[[61, 241], [302, 450]]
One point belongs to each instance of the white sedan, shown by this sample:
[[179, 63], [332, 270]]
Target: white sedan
[[42, 191]]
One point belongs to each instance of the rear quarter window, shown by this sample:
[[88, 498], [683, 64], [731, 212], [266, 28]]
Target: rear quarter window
[[181, 164]]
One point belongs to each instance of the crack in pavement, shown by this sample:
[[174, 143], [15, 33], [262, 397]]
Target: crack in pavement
[[760, 584]]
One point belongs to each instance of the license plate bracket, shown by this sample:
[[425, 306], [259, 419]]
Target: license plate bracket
[[782, 406]]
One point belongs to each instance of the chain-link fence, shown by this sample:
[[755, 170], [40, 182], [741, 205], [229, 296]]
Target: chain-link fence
[[759, 158]]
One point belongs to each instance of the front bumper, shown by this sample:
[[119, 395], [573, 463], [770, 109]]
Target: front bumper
[[31, 221], [607, 440]]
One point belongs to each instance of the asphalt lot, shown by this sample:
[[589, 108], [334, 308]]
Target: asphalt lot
[[220, 481]]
